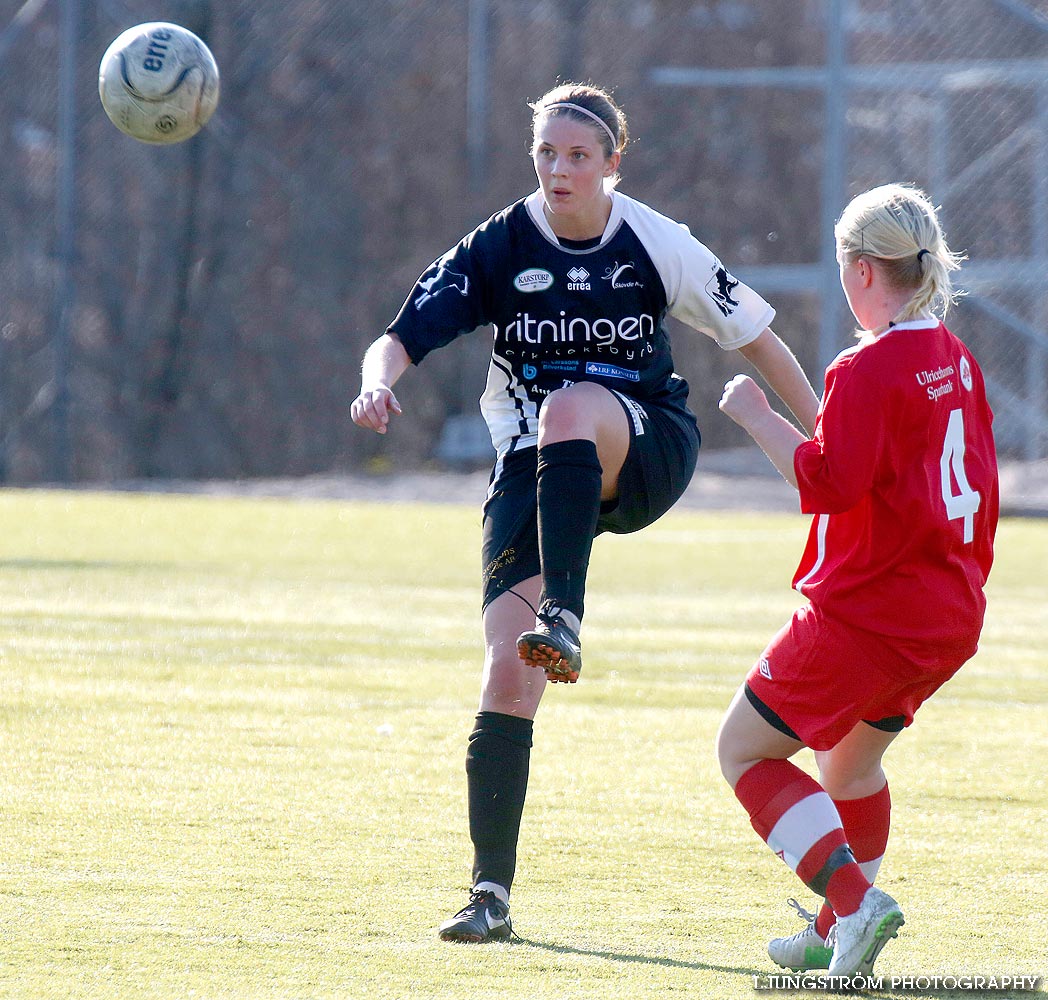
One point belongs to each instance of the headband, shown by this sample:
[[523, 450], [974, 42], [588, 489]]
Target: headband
[[589, 114]]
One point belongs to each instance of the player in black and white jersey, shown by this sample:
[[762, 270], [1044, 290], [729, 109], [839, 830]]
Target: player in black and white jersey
[[590, 423]]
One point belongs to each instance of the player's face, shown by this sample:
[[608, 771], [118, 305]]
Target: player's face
[[571, 168]]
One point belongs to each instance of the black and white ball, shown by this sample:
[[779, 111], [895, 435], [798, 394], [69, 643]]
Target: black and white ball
[[158, 83]]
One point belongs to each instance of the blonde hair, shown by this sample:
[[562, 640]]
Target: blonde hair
[[898, 227], [589, 105]]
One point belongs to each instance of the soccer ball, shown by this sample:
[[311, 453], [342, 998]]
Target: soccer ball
[[158, 83]]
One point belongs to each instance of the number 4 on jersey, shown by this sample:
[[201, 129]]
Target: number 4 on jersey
[[965, 502]]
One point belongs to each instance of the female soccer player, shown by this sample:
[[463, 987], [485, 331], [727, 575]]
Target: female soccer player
[[590, 423], [901, 476]]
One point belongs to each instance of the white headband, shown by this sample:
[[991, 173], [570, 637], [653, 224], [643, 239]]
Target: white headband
[[589, 114]]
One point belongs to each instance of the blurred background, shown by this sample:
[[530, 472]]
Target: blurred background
[[200, 311]]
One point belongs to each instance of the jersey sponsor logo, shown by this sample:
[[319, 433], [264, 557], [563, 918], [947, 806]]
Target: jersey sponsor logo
[[935, 391], [623, 276], [611, 371], [534, 279], [578, 280], [720, 288], [536, 390], [927, 377], [560, 366], [442, 281], [579, 330], [939, 382], [966, 373]]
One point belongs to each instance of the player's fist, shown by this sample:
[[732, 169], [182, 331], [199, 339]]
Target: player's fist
[[372, 408], [743, 400]]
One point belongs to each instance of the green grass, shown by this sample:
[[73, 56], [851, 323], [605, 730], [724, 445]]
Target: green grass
[[233, 735]]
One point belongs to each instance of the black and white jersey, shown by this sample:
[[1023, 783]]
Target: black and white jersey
[[569, 313]]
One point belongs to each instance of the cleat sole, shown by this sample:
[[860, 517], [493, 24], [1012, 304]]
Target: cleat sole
[[538, 653], [462, 938]]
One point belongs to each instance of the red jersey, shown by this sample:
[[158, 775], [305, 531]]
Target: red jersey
[[902, 477]]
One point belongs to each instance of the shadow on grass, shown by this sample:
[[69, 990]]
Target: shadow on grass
[[886, 992], [618, 956], [64, 565]]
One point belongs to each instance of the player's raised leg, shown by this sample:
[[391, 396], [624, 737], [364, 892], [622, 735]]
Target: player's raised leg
[[584, 438]]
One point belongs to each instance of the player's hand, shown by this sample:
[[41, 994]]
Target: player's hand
[[372, 408], [743, 400]]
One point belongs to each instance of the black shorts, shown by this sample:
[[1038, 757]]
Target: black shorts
[[664, 445]]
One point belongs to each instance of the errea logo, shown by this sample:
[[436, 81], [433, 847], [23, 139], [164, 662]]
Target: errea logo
[[578, 280], [534, 279]]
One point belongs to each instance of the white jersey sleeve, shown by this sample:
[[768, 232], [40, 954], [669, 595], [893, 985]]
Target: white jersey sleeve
[[700, 291]]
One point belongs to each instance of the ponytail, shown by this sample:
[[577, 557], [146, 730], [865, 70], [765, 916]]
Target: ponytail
[[898, 226]]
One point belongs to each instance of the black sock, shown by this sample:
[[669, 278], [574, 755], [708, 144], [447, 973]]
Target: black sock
[[569, 485], [497, 762]]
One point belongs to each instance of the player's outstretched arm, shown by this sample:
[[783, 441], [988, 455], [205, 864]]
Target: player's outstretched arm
[[746, 404], [776, 362], [384, 362]]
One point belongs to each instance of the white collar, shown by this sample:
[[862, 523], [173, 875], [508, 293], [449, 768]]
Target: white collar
[[535, 203], [920, 323]]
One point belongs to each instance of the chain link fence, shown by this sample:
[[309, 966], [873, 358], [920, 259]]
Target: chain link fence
[[199, 311]]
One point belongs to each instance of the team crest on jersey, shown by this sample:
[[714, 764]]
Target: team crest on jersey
[[578, 280], [720, 288], [966, 373], [622, 276], [442, 281], [534, 279]]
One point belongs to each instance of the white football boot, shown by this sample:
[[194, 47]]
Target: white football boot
[[804, 950], [859, 937]]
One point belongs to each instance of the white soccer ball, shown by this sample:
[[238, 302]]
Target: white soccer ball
[[158, 83]]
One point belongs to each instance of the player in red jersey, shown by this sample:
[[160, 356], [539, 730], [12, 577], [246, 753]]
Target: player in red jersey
[[901, 477]]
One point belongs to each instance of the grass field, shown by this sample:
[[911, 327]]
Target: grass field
[[233, 739]]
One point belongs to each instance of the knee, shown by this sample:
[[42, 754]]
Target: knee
[[565, 414], [509, 685], [732, 756], [854, 781]]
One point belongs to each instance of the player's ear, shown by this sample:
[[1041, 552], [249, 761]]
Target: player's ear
[[865, 271], [611, 164]]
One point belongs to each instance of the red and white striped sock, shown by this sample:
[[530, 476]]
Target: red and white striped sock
[[795, 817], [866, 823]]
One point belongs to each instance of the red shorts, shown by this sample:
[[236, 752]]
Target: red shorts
[[822, 678]]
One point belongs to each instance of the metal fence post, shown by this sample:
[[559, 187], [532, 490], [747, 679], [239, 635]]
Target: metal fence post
[[65, 212]]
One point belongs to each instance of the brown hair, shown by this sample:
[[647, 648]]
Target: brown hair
[[594, 100]]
